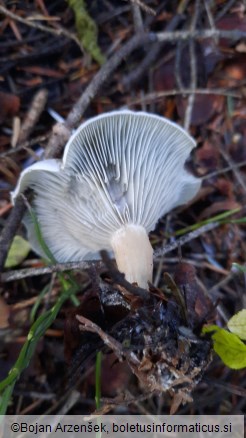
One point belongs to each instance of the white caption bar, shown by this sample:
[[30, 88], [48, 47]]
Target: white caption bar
[[110, 426]]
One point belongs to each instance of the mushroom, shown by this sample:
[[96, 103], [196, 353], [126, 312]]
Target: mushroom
[[120, 173]]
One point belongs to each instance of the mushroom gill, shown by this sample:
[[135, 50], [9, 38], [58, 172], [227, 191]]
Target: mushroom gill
[[120, 173]]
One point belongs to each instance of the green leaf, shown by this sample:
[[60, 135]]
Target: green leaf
[[18, 252], [242, 220], [228, 346], [86, 29], [237, 324], [210, 329], [239, 267]]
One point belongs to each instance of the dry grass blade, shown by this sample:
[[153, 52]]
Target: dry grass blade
[[143, 6]]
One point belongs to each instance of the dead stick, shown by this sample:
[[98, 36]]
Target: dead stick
[[61, 267], [58, 31], [193, 69], [119, 278], [103, 74], [184, 239], [181, 35], [113, 344], [33, 114], [62, 131], [89, 326]]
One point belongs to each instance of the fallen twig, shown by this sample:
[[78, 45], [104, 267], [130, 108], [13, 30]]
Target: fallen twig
[[57, 140], [98, 264], [137, 18], [143, 6], [224, 170], [153, 54], [25, 146], [193, 69], [184, 239], [234, 168], [119, 278], [103, 74], [113, 344], [225, 9], [234, 34], [184, 91], [89, 326], [36, 108], [59, 267], [58, 31]]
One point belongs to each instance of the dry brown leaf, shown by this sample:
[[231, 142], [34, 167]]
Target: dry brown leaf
[[9, 105], [4, 314]]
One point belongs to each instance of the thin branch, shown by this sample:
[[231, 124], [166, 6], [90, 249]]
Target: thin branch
[[56, 141], [233, 389], [24, 146], [58, 138], [152, 53], [226, 169], [143, 6], [89, 326], [71, 400], [184, 239], [137, 19], [181, 8], [183, 35], [10, 229], [209, 14], [193, 70], [210, 19], [185, 91], [233, 167], [119, 278], [103, 74], [177, 65], [191, 98], [221, 283], [33, 114], [125, 399], [225, 9], [58, 31], [59, 267], [113, 344], [136, 74], [98, 264]]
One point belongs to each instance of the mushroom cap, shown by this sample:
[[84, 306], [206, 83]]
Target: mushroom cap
[[118, 168]]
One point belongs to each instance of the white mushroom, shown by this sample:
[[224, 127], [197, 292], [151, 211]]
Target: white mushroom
[[120, 173]]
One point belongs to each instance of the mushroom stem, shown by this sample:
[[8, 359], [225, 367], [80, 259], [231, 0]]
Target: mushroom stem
[[133, 254]]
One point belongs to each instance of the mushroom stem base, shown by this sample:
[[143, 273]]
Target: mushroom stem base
[[133, 254]]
